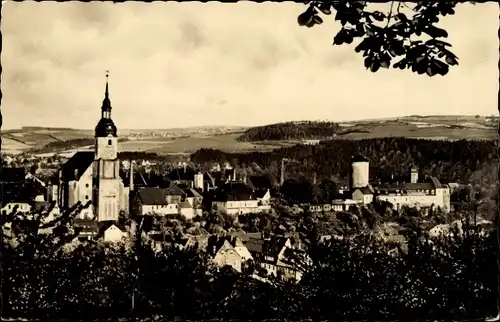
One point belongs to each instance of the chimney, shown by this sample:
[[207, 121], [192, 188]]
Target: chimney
[[314, 178], [234, 174], [414, 175], [185, 167], [131, 176]]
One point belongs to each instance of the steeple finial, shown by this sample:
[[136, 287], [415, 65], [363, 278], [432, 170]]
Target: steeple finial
[[106, 103], [106, 94]]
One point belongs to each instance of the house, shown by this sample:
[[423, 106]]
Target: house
[[238, 199], [18, 206], [363, 195], [195, 199], [183, 175], [187, 210], [344, 204], [445, 229], [415, 194], [112, 232], [278, 256], [88, 229], [227, 251], [263, 197], [152, 200]]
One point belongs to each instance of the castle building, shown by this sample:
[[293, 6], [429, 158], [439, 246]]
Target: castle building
[[430, 193], [94, 176]]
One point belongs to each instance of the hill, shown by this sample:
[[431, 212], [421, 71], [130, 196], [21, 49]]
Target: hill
[[290, 131], [415, 126], [262, 138]]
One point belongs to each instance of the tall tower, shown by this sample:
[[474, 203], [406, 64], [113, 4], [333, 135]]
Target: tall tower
[[360, 170], [106, 164]]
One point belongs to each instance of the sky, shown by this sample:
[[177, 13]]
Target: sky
[[194, 64]]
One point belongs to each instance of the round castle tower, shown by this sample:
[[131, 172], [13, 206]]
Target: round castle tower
[[360, 172]]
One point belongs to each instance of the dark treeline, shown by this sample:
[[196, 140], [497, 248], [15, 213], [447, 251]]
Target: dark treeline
[[290, 131], [461, 161], [353, 279], [57, 146]]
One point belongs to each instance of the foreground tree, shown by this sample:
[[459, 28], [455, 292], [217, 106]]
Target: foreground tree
[[386, 36]]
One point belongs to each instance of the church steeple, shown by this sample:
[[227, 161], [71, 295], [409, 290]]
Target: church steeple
[[106, 103], [106, 125]]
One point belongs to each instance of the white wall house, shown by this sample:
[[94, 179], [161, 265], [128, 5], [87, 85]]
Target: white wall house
[[418, 195], [114, 234]]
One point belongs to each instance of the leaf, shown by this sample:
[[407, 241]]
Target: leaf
[[305, 18], [375, 66], [435, 32], [317, 20], [430, 71], [450, 60], [402, 17], [379, 16], [325, 8]]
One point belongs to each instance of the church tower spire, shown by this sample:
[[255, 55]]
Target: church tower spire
[[106, 103], [106, 126]]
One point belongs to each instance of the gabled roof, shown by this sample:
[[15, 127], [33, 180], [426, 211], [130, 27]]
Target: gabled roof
[[179, 174], [261, 182], [234, 192], [216, 242], [358, 158], [261, 193], [152, 196], [433, 183], [185, 205], [77, 165], [191, 193], [173, 190], [368, 190], [105, 225]]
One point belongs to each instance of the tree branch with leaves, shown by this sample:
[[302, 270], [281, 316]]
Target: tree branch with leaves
[[391, 38]]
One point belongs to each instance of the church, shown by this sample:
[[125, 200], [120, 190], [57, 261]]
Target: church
[[95, 176]]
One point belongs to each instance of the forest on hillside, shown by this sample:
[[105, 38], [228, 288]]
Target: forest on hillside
[[58, 146], [290, 131], [467, 162]]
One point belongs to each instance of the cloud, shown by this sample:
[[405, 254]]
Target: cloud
[[182, 64]]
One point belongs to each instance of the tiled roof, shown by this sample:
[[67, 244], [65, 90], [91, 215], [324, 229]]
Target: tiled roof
[[260, 193], [185, 205], [433, 183], [191, 193], [174, 190], [359, 158], [77, 165], [234, 192], [103, 226], [179, 174], [261, 182], [152, 196]]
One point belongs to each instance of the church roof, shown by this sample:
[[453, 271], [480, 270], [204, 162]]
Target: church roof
[[74, 168], [105, 127]]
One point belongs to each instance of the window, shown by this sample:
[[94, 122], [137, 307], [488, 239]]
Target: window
[[86, 197], [86, 185], [109, 142]]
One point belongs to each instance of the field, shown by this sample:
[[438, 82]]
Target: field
[[188, 140]]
